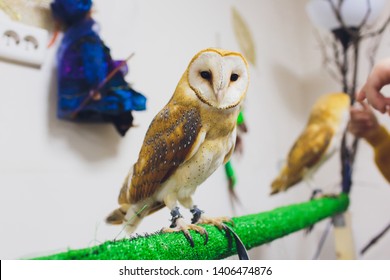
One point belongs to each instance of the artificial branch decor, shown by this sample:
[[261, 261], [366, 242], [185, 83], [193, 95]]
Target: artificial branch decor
[[254, 230], [350, 23]]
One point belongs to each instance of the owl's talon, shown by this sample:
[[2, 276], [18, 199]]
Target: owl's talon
[[218, 222], [185, 232], [206, 239], [189, 238]]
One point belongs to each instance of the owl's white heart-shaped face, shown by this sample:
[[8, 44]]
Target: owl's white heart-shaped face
[[219, 79]]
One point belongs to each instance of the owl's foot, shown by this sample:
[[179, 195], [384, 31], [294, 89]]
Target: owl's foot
[[219, 222], [199, 218], [182, 226], [179, 225], [318, 193]]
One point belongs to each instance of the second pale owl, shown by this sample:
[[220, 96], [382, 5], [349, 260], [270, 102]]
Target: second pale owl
[[186, 142], [318, 141]]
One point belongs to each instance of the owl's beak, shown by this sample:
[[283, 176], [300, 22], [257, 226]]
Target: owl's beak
[[220, 94]]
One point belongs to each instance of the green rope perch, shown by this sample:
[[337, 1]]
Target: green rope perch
[[253, 230]]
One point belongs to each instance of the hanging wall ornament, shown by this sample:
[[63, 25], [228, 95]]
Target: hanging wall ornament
[[91, 85], [244, 37]]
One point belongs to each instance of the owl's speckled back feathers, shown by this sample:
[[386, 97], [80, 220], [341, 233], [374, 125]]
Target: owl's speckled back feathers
[[167, 143]]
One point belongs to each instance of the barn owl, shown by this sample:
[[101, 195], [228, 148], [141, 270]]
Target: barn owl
[[186, 142], [319, 140]]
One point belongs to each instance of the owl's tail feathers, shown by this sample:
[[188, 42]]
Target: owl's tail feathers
[[276, 186], [286, 179], [280, 182], [131, 215], [117, 216]]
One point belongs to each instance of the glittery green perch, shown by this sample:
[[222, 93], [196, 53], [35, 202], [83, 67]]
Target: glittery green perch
[[254, 230]]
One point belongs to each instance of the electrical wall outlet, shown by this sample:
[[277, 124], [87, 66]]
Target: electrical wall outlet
[[22, 43]]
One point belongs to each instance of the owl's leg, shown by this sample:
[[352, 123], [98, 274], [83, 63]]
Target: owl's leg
[[196, 214], [316, 192], [199, 217], [175, 214], [179, 225]]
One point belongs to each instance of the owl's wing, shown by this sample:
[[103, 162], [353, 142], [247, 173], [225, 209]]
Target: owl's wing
[[309, 147], [172, 138]]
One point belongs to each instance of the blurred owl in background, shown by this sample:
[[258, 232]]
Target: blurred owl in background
[[186, 142], [319, 140]]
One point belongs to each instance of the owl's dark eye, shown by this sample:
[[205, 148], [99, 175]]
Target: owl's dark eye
[[205, 75], [234, 77]]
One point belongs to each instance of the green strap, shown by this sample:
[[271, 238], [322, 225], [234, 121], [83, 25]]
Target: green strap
[[229, 170], [240, 118]]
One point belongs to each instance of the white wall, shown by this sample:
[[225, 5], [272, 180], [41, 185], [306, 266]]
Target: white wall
[[59, 180]]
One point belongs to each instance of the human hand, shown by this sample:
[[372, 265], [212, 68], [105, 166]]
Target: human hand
[[362, 121], [378, 78]]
